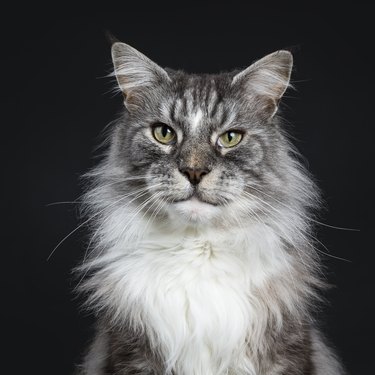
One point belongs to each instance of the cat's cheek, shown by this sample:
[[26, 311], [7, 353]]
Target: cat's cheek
[[194, 211]]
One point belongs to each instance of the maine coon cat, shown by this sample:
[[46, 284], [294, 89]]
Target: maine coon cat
[[201, 215]]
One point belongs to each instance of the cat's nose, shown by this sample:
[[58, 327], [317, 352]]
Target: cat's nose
[[194, 175]]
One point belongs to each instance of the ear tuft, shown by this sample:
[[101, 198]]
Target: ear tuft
[[134, 71], [111, 38], [268, 78]]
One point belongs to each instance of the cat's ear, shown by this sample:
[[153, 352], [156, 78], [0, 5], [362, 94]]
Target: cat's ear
[[135, 72], [266, 80]]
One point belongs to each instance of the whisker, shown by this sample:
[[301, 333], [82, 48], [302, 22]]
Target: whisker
[[156, 211], [93, 237], [87, 221], [136, 210], [66, 202], [299, 213], [300, 229], [263, 228], [285, 235]]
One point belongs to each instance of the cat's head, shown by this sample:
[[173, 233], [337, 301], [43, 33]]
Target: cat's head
[[200, 147]]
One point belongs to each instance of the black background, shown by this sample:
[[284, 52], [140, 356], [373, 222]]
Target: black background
[[56, 101]]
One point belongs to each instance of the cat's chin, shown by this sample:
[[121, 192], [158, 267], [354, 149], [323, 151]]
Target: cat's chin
[[193, 211]]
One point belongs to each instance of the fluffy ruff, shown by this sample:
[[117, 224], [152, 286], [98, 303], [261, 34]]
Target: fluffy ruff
[[210, 299]]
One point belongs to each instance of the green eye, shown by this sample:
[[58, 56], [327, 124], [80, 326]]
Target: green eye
[[164, 133], [230, 138]]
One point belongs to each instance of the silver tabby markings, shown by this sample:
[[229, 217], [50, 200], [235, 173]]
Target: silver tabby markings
[[203, 260]]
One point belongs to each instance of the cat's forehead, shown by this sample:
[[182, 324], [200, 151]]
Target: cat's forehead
[[199, 103]]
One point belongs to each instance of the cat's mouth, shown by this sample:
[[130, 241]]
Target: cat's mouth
[[195, 210], [197, 197]]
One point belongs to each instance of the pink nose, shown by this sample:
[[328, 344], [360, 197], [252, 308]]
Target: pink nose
[[194, 175]]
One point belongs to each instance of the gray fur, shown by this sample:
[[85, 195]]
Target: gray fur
[[246, 101]]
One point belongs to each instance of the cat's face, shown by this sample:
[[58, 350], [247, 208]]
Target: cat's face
[[200, 143]]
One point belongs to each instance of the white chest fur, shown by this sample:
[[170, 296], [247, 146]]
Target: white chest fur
[[196, 296], [195, 300]]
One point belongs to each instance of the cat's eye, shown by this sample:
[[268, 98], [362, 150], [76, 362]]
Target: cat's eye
[[230, 138], [164, 133]]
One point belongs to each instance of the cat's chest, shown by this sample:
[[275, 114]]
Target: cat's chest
[[232, 262], [197, 297], [192, 264], [195, 280], [194, 297]]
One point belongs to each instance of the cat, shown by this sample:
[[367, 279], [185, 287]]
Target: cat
[[204, 259]]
